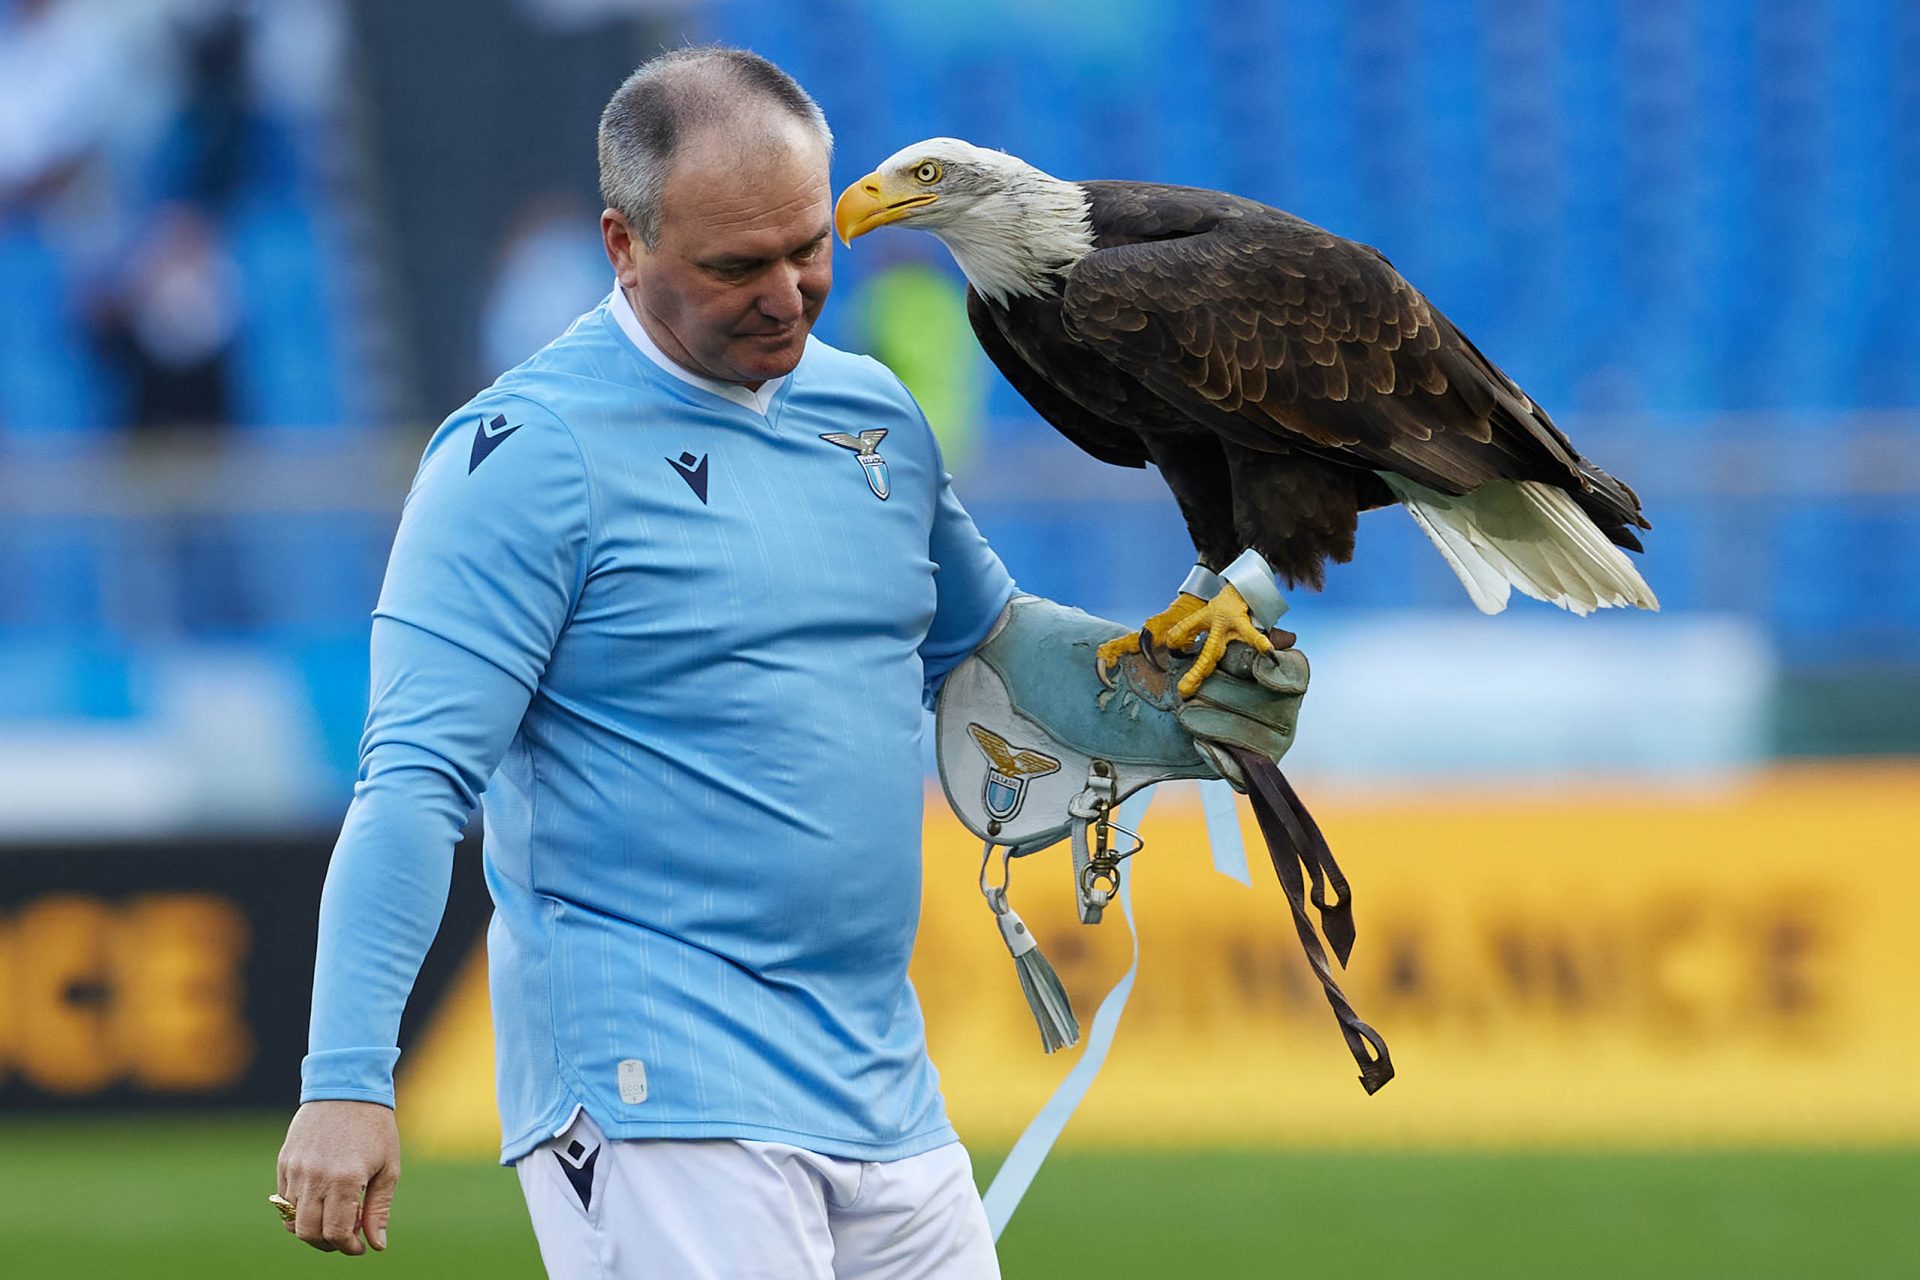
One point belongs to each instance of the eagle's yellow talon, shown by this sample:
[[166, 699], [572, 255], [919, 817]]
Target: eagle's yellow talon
[[1158, 628], [1163, 624], [1224, 618], [1221, 619], [1117, 648]]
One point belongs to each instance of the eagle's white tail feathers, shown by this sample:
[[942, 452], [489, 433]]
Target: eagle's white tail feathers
[[1531, 535], [1486, 584]]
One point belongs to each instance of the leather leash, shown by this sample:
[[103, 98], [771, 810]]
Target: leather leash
[[1294, 842]]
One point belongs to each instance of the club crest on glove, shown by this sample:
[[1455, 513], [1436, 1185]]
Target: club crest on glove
[[1009, 768]]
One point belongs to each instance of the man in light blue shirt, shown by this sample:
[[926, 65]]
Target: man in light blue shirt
[[671, 594]]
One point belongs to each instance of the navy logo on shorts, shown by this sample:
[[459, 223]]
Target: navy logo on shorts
[[577, 1163]]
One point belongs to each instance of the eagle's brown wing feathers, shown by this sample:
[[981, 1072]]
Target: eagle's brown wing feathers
[[1087, 426], [1282, 336]]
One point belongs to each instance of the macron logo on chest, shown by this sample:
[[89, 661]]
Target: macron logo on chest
[[694, 472]]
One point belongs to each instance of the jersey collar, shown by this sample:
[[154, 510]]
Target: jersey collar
[[637, 334]]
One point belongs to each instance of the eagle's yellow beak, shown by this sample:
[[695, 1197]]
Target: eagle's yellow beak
[[868, 203]]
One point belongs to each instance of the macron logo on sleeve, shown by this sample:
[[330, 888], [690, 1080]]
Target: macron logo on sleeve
[[488, 438]]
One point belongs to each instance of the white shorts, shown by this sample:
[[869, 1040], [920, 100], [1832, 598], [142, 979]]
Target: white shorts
[[729, 1209]]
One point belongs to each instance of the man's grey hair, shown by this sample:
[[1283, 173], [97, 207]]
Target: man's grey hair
[[672, 96]]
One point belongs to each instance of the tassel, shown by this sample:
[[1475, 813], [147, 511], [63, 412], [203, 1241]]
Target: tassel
[[1059, 1029]]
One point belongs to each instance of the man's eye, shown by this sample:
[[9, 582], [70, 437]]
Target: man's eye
[[807, 251]]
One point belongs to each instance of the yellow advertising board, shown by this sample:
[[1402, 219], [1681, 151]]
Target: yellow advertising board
[[1608, 965]]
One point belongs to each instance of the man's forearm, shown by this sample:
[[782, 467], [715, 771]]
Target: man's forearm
[[441, 720], [386, 892]]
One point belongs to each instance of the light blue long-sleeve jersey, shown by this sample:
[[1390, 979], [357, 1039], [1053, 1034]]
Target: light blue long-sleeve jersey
[[682, 647]]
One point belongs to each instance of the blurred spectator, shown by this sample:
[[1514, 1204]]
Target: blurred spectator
[[172, 326], [80, 81], [208, 139], [550, 269], [151, 157]]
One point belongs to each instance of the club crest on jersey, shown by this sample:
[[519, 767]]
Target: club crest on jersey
[[1009, 769], [867, 446]]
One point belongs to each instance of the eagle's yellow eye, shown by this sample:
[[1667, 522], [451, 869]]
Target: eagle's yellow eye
[[927, 172]]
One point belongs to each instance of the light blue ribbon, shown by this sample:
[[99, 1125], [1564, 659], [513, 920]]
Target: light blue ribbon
[[1223, 830], [1010, 1183]]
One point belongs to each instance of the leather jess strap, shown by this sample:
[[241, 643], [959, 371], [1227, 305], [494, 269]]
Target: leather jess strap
[[1295, 843]]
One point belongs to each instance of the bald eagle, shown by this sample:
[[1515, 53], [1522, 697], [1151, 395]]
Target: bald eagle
[[1280, 378]]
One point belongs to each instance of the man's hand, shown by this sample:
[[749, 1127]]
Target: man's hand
[[339, 1165]]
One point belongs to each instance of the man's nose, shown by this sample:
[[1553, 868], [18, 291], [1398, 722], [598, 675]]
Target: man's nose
[[782, 301]]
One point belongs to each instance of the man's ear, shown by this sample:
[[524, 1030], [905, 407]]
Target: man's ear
[[623, 245]]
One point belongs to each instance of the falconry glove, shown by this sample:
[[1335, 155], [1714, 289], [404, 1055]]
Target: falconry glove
[[1022, 721], [1035, 746]]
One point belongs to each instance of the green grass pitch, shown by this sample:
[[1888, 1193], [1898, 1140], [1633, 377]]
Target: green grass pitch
[[186, 1197]]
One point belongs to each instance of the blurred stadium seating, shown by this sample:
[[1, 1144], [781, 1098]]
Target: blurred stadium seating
[[1689, 230]]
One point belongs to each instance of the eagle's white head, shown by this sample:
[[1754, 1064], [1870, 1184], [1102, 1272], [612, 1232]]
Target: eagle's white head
[[1011, 227]]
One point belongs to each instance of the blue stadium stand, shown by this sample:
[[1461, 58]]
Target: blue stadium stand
[[50, 380], [1702, 216], [287, 372]]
